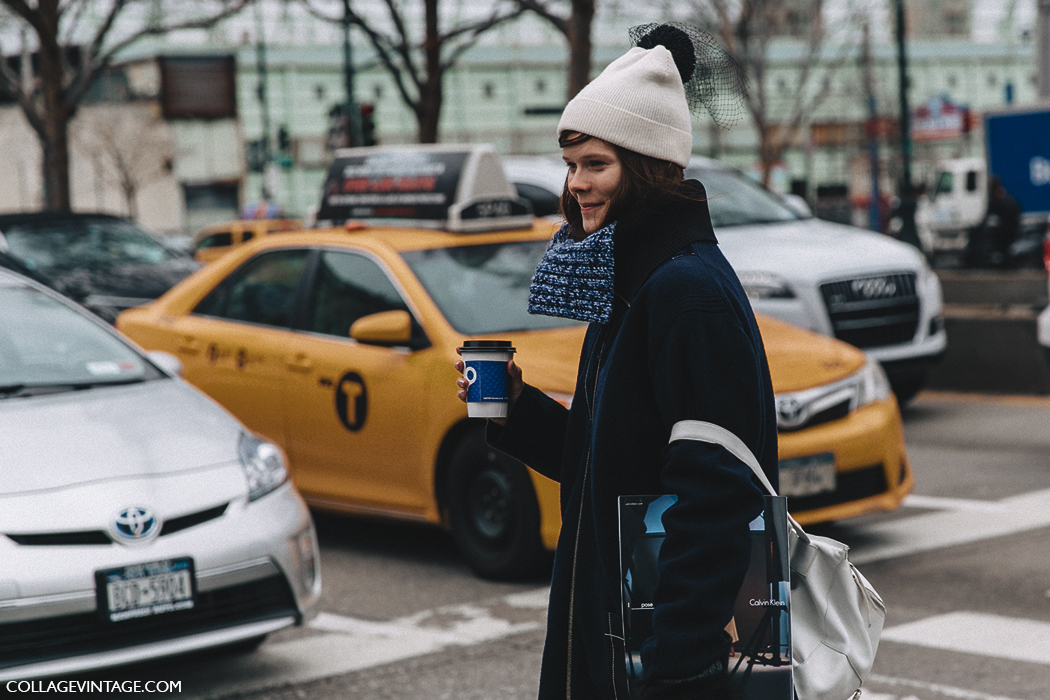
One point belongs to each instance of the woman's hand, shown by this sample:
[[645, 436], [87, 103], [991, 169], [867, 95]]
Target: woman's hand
[[516, 386]]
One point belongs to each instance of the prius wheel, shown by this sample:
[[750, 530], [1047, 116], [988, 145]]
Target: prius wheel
[[493, 512]]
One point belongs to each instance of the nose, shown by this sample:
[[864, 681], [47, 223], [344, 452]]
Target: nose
[[577, 182]]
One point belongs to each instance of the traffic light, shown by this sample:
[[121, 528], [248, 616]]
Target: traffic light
[[368, 125], [284, 140]]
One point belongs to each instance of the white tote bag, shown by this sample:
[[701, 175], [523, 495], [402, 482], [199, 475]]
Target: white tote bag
[[836, 615]]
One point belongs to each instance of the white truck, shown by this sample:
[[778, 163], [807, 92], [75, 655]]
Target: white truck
[[1017, 152], [957, 203]]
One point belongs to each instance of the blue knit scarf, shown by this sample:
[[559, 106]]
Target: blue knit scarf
[[575, 278]]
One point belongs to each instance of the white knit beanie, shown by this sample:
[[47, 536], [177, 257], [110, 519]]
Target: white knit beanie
[[637, 103]]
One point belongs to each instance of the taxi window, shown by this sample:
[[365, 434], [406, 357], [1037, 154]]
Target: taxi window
[[544, 202], [216, 240], [262, 291], [347, 287], [483, 289], [247, 236]]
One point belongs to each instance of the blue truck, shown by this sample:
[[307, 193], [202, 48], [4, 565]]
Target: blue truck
[[1017, 152]]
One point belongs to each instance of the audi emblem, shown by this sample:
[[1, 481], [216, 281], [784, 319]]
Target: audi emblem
[[874, 287]]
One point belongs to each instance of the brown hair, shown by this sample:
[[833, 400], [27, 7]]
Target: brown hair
[[644, 178]]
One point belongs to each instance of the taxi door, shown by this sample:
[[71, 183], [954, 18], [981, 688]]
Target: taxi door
[[234, 345], [354, 414]]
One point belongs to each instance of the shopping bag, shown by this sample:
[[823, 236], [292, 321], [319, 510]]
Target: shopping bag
[[760, 664], [837, 616]]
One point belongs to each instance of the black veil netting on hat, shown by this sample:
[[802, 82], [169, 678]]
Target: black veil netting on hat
[[712, 79]]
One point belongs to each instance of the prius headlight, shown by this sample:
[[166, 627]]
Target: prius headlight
[[263, 465], [765, 285], [872, 384]]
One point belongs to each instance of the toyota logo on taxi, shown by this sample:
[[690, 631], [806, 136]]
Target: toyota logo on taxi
[[135, 524]]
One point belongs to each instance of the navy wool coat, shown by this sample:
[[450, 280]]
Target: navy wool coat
[[682, 344]]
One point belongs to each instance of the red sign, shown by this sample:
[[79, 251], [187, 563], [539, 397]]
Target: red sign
[[938, 120]]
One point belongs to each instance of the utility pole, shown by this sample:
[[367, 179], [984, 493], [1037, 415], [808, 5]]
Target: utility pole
[[906, 209], [874, 214], [1043, 48], [264, 104], [353, 113]]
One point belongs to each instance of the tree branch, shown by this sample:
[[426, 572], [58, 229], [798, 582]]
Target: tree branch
[[107, 24], [78, 7], [403, 47], [475, 31], [234, 6], [99, 60], [383, 49], [23, 10], [540, 9]]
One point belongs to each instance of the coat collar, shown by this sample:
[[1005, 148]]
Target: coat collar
[[652, 234]]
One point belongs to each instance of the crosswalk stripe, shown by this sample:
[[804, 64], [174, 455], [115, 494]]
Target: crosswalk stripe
[[942, 503], [942, 690], [347, 644], [342, 644], [921, 533], [978, 633]]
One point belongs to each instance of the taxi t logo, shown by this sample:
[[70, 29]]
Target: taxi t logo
[[351, 401]]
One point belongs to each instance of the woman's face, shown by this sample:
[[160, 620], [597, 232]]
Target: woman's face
[[594, 175]]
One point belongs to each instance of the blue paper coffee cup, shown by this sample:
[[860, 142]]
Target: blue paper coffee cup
[[485, 368]]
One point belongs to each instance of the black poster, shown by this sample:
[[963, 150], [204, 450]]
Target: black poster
[[760, 664], [402, 184]]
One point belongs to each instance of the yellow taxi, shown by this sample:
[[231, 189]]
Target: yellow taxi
[[338, 344], [214, 241]]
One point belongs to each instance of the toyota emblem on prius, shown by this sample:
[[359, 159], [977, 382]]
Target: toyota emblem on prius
[[135, 524]]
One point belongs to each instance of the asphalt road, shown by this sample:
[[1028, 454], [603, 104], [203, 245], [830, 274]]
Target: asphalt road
[[964, 568]]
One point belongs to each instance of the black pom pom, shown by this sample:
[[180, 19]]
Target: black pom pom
[[677, 42]]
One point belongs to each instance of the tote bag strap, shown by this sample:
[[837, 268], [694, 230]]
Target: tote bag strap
[[717, 435]]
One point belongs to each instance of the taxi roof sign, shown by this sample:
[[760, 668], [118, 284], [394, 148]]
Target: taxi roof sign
[[455, 187]]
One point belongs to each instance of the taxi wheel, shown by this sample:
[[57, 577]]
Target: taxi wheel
[[493, 512]]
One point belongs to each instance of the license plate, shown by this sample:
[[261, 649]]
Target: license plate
[[805, 476], [147, 589]]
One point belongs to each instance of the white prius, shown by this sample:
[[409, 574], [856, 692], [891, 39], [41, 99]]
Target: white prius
[[138, 518]]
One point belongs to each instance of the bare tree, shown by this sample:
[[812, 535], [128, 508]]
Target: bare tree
[[72, 42], [746, 28], [418, 65], [131, 147], [576, 26]]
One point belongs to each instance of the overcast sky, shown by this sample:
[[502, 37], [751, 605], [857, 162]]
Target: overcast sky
[[616, 15], [287, 23]]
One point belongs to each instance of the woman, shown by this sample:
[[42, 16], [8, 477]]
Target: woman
[[671, 338]]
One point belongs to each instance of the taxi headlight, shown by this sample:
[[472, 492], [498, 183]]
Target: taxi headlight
[[765, 285], [263, 465], [872, 383]]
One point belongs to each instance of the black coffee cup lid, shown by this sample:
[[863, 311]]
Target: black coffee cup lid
[[488, 345]]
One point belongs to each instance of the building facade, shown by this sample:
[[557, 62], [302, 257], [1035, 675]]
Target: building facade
[[216, 127], [512, 97], [158, 140]]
